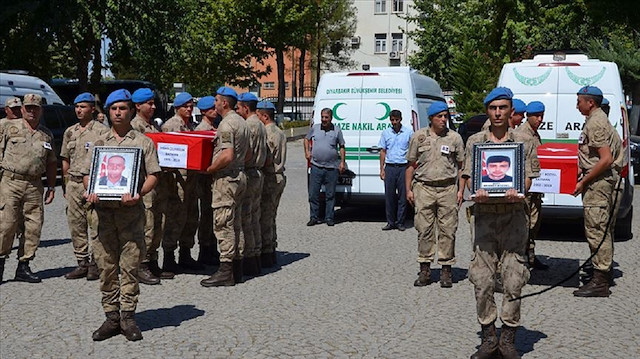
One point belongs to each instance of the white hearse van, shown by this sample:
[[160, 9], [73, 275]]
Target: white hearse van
[[361, 102], [18, 85], [554, 79]]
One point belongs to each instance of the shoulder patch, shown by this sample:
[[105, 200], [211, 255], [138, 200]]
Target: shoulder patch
[[225, 136], [13, 130], [422, 138]]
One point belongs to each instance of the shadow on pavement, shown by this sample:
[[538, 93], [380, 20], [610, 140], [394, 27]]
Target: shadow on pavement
[[284, 259], [369, 213], [559, 269], [54, 272], [50, 243], [167, 317]]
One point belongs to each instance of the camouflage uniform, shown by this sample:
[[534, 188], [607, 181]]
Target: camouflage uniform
[[75, 148], [229, 185], [274, 183], [120, 246], [598, 196], [251, 199], [25, 155], [500, 237], [435, 187], [206, 237]]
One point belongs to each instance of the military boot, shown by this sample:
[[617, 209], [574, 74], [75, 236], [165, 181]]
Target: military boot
[[508, 343], [145, 276], [222, 278], [185, 261], [249, 267], [424, 276], [237, 271], [80, 271], [157, 272], [274, 259], [24, 274], [169, 264], [258, 263], [129, 327], [489, 346], [93, 273], [2, 260], [209, 255], [597, 287], [265, 260], [446, 280], [108, 329]]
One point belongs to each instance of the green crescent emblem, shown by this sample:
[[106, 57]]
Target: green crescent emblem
[[585, 81], [387, 111], [335, 111], [531, 81]]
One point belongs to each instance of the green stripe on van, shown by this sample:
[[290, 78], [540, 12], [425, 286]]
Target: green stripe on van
[[558, 140], [363, 157]]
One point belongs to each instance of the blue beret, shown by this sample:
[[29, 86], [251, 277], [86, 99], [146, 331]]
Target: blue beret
[[117, 96], [535, 107], [266, 105], [182, 98], [246, 97], [437, 107], [84, 97], [605, 101], [206, 102], [142, 95], [519, 105], [590, 90], [227, 91], [498, 93]]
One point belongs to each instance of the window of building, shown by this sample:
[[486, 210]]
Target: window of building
[[398, 5], [381, 6], [381, 43], [270, 85], [397, 42]]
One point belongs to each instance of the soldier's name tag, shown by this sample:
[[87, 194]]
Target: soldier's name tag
[[87, 145], [46, 145], [444, 149], [581, 139]]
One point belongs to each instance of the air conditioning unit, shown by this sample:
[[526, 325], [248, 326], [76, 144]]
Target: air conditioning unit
[[355, 41], [394, 55]]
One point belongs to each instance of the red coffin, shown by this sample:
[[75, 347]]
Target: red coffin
[[562, 156], [190, 150]]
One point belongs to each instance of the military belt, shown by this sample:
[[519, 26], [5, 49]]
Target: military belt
[[441, 183], [497, 208], [228, 172], [76, 179], [19, 176]]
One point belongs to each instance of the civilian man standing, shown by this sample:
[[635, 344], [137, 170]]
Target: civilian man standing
[[325, 165], [394, 143]]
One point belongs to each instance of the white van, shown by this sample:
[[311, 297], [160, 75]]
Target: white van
[[361, 102], [554, 79], [19, 85]]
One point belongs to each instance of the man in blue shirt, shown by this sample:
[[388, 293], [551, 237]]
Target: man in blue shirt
[[394, 143], [325, 165]]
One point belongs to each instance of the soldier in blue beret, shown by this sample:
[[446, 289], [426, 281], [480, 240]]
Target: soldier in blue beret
[[519, 108]]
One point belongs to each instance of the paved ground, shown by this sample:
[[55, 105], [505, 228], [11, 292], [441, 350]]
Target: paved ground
[[344, 291]]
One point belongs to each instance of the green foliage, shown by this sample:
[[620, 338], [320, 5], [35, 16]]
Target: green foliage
[[294, 124], [471, 78]]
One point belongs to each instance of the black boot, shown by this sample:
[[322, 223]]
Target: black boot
[[222, 278], [489, 346], [508, 343], [266, 260], [129, 327], [446, 280], [159, 273], [145, 276], [80, 271], [93, 273], [249, 267], [274, 259], [237, 271], [169, 264], [209, 255], [185, 261], [597, 287], [108, 329], [2, 260], [24, 274], [424, 276]]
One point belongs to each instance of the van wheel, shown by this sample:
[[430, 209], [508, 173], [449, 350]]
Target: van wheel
[[623, 228]]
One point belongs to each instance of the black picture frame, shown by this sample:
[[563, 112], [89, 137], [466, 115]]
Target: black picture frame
[[127, 182], [498, 180]]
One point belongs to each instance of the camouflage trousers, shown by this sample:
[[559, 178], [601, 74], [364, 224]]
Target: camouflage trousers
[[271, 192], [227, 190], [118, 252], [435, 207], [500, 237], [153, 225], [77, 217], [179, 208], [206, 237], [598, 200], [251, 214], [534, 206], [20, 199]]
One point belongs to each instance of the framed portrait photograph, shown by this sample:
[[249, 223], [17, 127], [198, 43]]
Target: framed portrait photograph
[[114, 172], [497, 167]]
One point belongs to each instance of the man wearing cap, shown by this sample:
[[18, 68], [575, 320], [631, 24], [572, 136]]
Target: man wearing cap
[[519, 109], [208, 254], [394, 142], [120, 224], [274, 182], [434, 158], [11, 109], [76, 142], [26, 149], [500, 234], [256, 156], [229, 183], [178, 198], [535, 116], [328, 142], [600, 159]]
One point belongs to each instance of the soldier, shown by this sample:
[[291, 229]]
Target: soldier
[[274, 182], [178, 198], [77, 141], [229, 184], [12, 108], [256, 156], [535, 115], [515, 120], [500, 234], [434, 158], [600, 159], [120, 224], [27, 152], [208, 254]]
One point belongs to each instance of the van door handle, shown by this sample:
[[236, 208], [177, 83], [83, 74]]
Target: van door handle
[[374, 149]]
